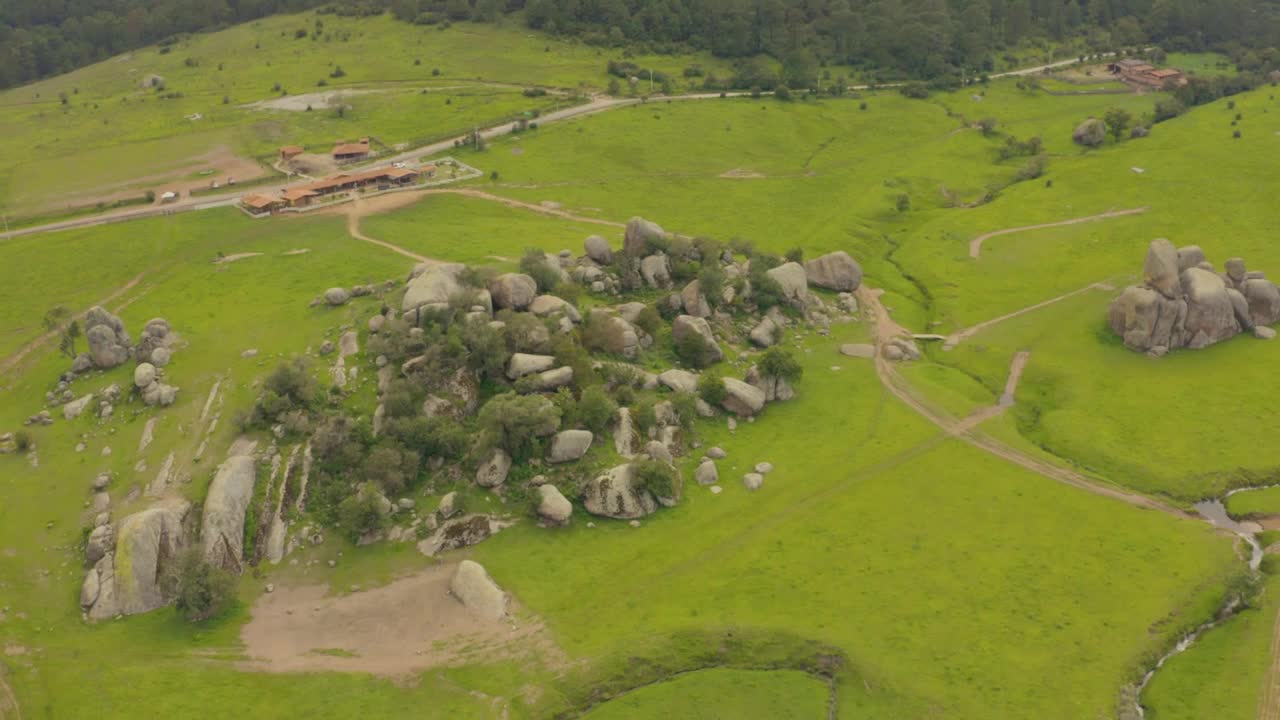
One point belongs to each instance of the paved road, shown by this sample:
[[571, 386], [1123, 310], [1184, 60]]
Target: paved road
[[596, 105]]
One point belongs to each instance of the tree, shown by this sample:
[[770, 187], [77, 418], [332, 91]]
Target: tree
[[656, 476], [711, 389], [391, 466], [200, 590], [695, 351], [59, 320], [514, 422], [595, 409], [1118, 121], [615, 88], [781, 364], [535, 265]]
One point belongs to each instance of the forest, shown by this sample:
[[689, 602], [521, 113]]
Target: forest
[[894, 38]]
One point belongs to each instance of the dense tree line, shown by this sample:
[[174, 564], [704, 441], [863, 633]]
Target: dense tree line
[[916, 38]]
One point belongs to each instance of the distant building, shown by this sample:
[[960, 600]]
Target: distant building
[[259, 204], [289, 152], [384, 178], [346, 152], [1142, 73]]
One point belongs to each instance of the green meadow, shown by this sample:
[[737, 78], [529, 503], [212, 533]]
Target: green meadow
[[933, 579]]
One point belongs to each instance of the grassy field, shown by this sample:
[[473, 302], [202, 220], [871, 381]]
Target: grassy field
[[723, 695], [1256, 502], [951, 583], [1222, 675]]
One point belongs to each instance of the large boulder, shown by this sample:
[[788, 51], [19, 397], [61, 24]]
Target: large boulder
[[1263, 299], [222, 527], [1240, 306], [1090, 133], [522, 364], [616, 494], [679, 380], [742, 399], [544, 305], [1147, 320], [101, 541], [1190, 256], [551, 379], [793, 280], [1160, 269], [765, 333], [1210, 314], [656, 271], [694, 302], [553, 506], [144, 375], [108, 341], [686, 325], [639, 234], [493, 471], [1235, 270], [75, 408], [513, 290], [834, 271], [473, 587], [617, 336], [433, 286], [156, 336], [569, 445], [145, 542], [597, 248]]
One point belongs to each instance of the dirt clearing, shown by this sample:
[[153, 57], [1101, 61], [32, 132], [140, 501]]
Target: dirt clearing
[[407, 626]]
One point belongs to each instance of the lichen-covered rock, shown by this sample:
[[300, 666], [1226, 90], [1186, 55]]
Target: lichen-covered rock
[[616, 494], [144, 375], [473, 587], [544, 305], [656, 271], [569, 445], [793, 280], [433, 286], [765, 333], [1263, 299], [1090, 133], [1210, 315], [1160, 269], [679, 380], [493, 471], [522, 364], [834, 271], [222, 527], [742, 399], [512, 290], [693, 301], [145, 542]]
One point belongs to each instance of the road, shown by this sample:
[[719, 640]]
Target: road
[[595, 105]]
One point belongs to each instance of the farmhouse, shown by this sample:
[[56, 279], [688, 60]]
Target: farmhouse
[[383, 178], [288, 152], [259, 204], [346, 152], [1143, 73]]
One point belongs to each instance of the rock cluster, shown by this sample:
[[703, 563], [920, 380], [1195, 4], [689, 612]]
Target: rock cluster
[[128, 561], [1184, 303], [147, 379]]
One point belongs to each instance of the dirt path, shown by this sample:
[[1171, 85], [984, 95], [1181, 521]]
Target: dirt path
[[405, 627], [965, 430], [12, 361], [1269, 706], [357, 210], [960, 336], [975, 245], [9, 707]]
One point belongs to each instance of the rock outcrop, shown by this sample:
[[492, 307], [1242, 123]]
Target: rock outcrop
[[1182, 303], [473, 587], [513, 290], [222, 527], [639, 234], [834, 271], [126, 579], [742, 399], [616, 494], [108, 340], [553, 506], [431, 286]]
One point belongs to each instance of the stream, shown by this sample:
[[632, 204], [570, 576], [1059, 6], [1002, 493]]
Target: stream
[[1215, 513]]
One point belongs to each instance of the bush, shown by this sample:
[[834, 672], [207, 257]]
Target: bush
[[430, 437], [903, 202], [595, 409], [711, 389], [795, 255], [391, 466], [779, 363], [338, 72], [657, 477], [358, 515], [783, 93], [694, 351], [535, 265], [711, 282], [200, 590], [533, 92], [915, 90], [514, 422], [765, 290]]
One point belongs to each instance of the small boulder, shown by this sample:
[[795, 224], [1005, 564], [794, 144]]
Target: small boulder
[[792, 279], [336, 296], [522, 364], [512, 290], [656, 271], [742, 399], [707, 474], [679, 380], [493, 471], [640, 233], [752, 481], [615, 494], [144, 375], [685, 325], [75, 408], [553, 506], [597, 248], [448, 506], [569, 445]]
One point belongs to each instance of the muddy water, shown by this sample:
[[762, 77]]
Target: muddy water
[[1215, 513]]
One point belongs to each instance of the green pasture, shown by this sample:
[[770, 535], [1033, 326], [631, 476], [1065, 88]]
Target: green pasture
[[723, 695], [1255, 502]]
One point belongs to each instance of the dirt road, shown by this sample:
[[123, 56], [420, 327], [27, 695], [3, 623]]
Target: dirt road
[[975, 245], [886, 329], [9, 708], [960, 336]]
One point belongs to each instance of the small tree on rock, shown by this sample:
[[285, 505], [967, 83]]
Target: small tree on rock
[[58, 320], [200, 590]]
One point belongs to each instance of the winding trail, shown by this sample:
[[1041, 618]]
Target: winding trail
[[12, 361], [9, 707], [975, 245], [886, 329], [960, 336], [1269, 705], [353, 229]]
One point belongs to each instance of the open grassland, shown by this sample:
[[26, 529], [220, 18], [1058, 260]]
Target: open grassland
[[403, 83], [1222, 675], [1255, 502], [723, 695]]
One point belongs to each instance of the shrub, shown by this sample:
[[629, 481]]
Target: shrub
[[711, 389], [487, 351], [399, 399], [782, 93], [201, 591], [533, 92], [657, 477], [595, 409], [535, 265], [779, 363], [430, 436], [299, 33], [765, 290], [694, 351], [795, 255], [391, 466], [903, 202], [915, 90], [987, 126], [338, 72], [1236, 134], [711, 282], [358, 515], [514, 422]]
